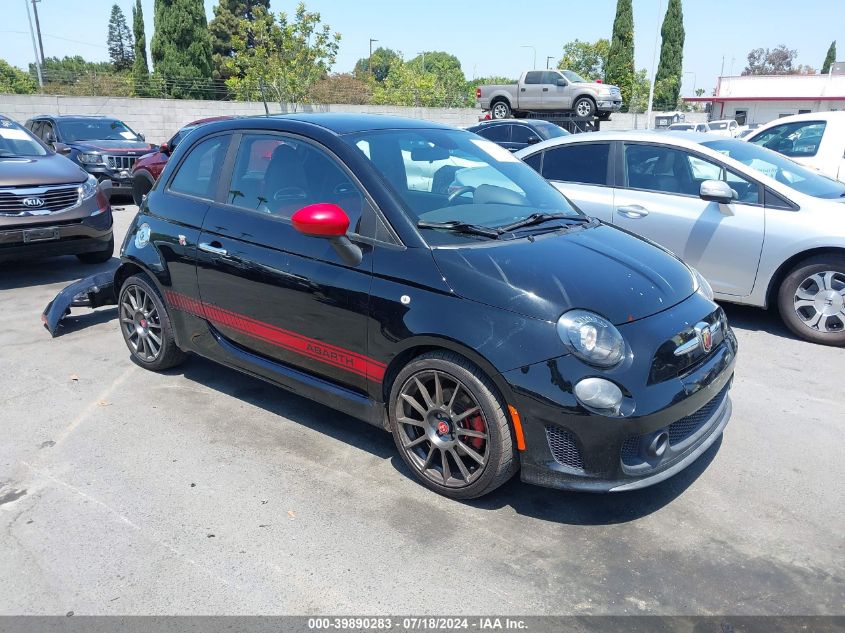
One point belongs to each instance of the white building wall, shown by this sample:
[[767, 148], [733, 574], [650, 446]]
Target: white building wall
[[765, 111]]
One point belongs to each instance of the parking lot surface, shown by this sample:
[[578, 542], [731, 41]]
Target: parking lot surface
[[204, 491]]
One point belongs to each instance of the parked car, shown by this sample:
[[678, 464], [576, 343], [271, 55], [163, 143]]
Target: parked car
[[488, 330], [148, 167], [514, 135], [724, 127], [762, 229], [689, 127], [816, 140], [553, 90], [744, 131], [48, 205], [103, 146]]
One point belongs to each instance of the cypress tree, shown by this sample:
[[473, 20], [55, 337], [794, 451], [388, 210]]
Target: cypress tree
[[667, 83], [830, 58], [226, 21], [119, 40], [181, 48], [619, 69], [140, 70]]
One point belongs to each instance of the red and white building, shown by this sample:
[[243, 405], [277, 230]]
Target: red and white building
[[763, 98]]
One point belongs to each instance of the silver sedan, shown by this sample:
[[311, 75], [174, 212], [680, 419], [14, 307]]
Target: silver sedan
[[762, 229]]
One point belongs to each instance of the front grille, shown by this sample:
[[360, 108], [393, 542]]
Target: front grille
[[53, 199], [120, 162], [666, 364], [563, 447]]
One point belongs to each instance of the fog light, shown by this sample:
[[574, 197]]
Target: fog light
[[598, 393]]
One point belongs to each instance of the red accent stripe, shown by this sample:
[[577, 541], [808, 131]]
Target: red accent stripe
[[291, 341]]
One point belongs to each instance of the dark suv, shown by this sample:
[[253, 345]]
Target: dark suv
[[48, 205], [103, 146], [489, 328]]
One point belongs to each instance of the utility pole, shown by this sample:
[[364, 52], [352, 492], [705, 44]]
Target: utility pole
[[370, 59], [34, 47], [550, 57], [38, 29], [653, 67]]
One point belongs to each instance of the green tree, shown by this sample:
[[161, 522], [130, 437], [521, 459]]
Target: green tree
[[775, 61], [619, 69], [449, 80], [830, 58], [119, 40], [383, 60], [407, 85], [14, 80], [225, 23], [667, 82], [181, 49], [286, 56], [588, 59], [71, 70], [140, 70]]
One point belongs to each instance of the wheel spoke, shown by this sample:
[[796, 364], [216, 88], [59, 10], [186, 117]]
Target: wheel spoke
[[480, 459], [461, 466], [154, 338], [813, 321], [805, 295], [133, 300], [413, 402], [447, 471], [424, 393], [822, 325], [438, 390], [470, 433], [465, 414], [427, 461], [452, 399], [411, 421], [422, 438], [804, 303]]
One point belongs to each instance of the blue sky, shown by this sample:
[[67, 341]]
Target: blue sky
[[487, 39]]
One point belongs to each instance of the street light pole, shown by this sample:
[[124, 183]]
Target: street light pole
[[534, 67], [370, 58], [38, 30], [547, 60], [34, 47], [653, 67]]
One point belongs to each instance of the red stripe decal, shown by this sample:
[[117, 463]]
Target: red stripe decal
[[291, 341]]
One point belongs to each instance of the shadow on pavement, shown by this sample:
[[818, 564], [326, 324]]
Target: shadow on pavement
[[52, 270], [757, 320]]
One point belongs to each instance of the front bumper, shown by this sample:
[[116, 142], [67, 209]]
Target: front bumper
[[120, 180], [572, 448], [609, 105], [55, 237]]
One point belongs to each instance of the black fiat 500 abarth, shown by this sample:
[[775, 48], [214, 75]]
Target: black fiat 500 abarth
[[490, 329]]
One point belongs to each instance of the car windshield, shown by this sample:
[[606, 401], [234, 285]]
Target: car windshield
[[780, 168], [73, 130], [16, 141], [573, 77], [455, 176], [550, 130], [718, 125]]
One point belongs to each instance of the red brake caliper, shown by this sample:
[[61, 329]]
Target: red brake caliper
[[475, 423]]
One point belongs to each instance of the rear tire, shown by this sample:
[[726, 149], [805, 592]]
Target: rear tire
[[140, 187], [450, 426], [500, 110], [146, 326], [98, 257], [811, 300]]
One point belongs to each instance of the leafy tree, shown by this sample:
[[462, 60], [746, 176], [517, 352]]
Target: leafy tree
[[776, 61], [588, 59], [70, 70], [341, 88], [407, 85], [16, 81], [140, 70], [638, 89], [619, 69], [450, 82], [383, 60], [667, 82], [286, 57], [120, 47], [225, 23], [830, 58], [181, 48]]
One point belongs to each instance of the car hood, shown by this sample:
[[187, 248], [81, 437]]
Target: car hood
[[132, 148], [33, 171], [599, 268]]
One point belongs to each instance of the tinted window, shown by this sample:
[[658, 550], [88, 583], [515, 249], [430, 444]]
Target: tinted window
[[801, 138], [549, 130], [550, 77], [534, 77], [521, 134], [46, 131], [278, 176], [583, 162], [16, 140], [199, 172], [534, 161], [496, 133]]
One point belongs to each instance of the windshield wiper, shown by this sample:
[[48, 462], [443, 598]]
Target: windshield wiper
[[539, 218], [460, 227]]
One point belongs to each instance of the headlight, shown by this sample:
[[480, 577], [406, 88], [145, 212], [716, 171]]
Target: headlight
[[89, 188], [592, 338], [702, 286], [91, 159]]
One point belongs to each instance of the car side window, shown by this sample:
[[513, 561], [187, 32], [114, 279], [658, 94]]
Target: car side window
[[521, 133], [550, 77], [199, 172], [46, 131], [496, 133], [801, 138], [534, 161], [579, 162], [534, 77], [660, 168], [278, 175]]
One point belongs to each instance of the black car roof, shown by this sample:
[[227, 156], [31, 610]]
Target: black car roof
[[528, 122], [344, 123]]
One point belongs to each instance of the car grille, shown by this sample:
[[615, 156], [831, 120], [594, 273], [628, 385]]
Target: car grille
[[666, 364], [680, 430], [564, 448], [53, 199], [120, 162]]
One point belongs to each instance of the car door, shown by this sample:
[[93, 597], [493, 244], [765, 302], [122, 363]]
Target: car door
[[659, 199], [557, 97], [267, 289], [531, 91], [583, 172]]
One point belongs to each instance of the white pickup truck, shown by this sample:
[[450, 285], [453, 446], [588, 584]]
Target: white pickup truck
[[550, 90]]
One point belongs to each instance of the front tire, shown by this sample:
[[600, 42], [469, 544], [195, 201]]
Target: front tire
[[450, 426], [584, 107], [98, 257], [500, 110], [146, 326], [811, 300]]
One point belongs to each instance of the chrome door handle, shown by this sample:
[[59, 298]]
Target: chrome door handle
[[216, 250], [633, 211]]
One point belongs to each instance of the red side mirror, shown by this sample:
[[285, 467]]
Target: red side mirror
[[321, 220], [164, 148]]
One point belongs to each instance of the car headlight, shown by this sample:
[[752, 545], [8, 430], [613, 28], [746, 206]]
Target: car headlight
[[88, 189], [591, 338], [702, 286], [90, 159]]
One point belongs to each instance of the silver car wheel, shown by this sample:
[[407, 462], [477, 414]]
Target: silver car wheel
[[500, 111], [584, 108], [819, 301]]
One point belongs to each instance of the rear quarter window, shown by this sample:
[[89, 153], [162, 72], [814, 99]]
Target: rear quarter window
[[199, 172]]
